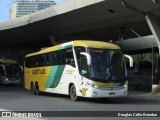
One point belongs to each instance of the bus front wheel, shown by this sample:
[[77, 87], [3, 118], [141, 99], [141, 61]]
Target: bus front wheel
[[72, 93]]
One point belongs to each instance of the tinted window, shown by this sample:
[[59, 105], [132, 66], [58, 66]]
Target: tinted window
[[69, 59], [47, 59], [60, 57]]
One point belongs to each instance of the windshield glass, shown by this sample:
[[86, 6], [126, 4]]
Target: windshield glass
[[107, 65], [12, 70]]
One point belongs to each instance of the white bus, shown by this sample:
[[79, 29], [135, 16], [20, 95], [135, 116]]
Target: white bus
[[90, 69]]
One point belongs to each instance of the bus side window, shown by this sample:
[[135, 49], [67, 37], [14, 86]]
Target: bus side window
[[78, 50], [28, 62], [33, 61], [55, 62], [50, 59], [53, 58], [41, 60], [36, 61], [69, 59], [83, 66], [60, 57], [47, 60]]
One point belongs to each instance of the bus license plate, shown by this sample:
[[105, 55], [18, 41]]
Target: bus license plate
[[112, 93]]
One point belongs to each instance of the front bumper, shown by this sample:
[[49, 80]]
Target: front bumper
[[103, 93], [11, 81]]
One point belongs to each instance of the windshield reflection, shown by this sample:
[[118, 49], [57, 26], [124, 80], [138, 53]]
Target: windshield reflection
[[12, 70], [107, 65]]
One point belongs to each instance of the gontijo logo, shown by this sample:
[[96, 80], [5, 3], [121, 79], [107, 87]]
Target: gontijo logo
[[38, 71], [83, 91]]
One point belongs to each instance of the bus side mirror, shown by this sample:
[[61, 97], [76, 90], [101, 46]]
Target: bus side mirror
[[130, 59], [3, 67], [21, 68], [88, 56]]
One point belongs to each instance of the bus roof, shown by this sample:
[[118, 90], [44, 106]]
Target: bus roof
[[80, 43], [8, 61], [95, 44]]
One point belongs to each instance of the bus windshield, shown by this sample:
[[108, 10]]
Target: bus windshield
[[12, 70], [107, 65]]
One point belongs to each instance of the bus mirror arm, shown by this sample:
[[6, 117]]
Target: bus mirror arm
[[88, 56], [130, 60], [21, 67], [3, 67]]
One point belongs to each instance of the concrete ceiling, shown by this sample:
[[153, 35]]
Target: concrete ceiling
[[138, 45], [101, 21]]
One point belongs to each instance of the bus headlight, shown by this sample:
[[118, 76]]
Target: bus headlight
[[92, 84], [5, 78], [125, 85]]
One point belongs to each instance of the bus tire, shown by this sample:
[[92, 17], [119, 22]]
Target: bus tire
[[37, 92], [72, 93], [32, 88]]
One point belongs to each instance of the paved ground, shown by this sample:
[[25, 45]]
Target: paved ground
[[144, 95], [16, 98]]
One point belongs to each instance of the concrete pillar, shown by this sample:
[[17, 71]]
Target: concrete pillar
[[154, 25]]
